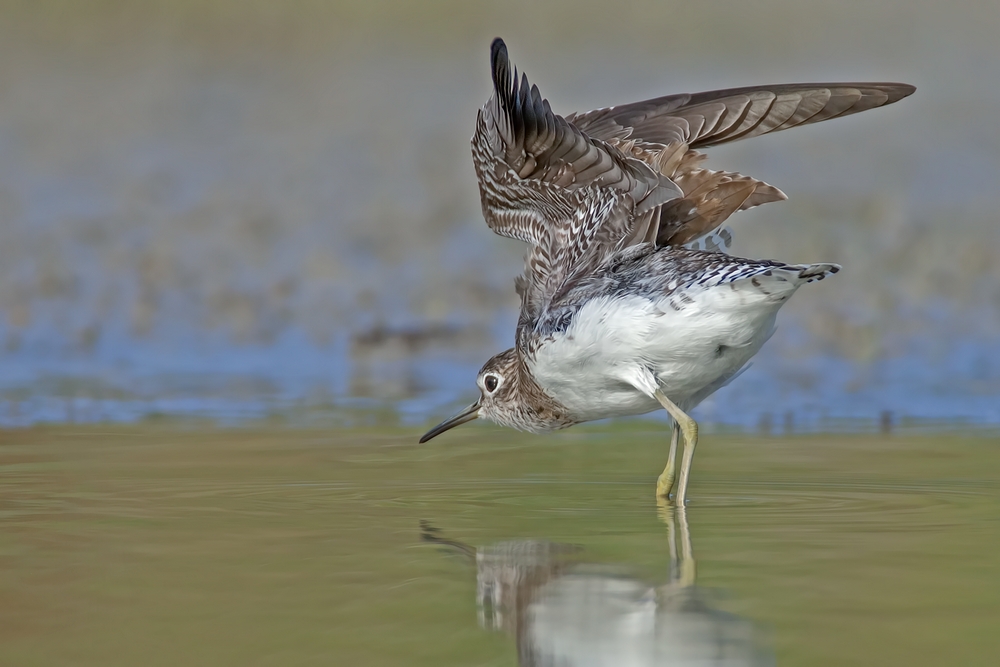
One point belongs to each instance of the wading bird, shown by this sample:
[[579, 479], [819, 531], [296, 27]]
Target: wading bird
[[629, 300]]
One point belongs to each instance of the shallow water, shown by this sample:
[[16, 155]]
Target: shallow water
[[179, 544]]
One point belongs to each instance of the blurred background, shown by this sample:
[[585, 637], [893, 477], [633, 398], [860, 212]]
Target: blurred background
[[256, 209]]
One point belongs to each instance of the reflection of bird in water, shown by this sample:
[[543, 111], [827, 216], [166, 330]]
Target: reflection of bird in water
[[629, 300], [562, 611], [508, 574]]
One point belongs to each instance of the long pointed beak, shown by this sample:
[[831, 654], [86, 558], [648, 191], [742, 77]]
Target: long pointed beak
[[466, 415]]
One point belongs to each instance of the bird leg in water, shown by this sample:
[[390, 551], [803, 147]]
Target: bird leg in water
[[689, 428], [665, 483]]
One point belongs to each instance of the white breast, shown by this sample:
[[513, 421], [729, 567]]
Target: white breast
[[602, 365]]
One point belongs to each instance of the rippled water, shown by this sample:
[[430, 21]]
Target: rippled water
[[237, 210], [126, 545]]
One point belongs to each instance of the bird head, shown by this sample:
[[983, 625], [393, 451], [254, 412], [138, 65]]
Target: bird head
[[497, 381]]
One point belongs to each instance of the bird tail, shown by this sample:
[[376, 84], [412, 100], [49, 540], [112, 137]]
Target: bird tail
[[810, 272]]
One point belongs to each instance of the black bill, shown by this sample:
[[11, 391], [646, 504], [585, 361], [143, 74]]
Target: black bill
[[466, 415]]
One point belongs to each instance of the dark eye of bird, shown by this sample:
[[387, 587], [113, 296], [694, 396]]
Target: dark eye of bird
[[491, 383]]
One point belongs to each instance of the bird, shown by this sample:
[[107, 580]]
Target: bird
[[630, 300]]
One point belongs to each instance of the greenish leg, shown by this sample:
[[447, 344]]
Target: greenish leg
[[665, 483], [689, 428]]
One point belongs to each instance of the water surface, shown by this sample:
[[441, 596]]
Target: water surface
[[189, 545]]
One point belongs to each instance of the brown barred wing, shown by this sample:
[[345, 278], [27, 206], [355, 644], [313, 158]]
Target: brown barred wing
[[720, 116], [542, 180]]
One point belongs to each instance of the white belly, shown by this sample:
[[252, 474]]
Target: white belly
[[617, 351]]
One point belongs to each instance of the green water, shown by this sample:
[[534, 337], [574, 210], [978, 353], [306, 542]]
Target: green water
[[168, 546]]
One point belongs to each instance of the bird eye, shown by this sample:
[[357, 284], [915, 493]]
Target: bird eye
[[491, 382]]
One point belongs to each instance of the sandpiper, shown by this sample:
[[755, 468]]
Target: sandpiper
[[629, 299]]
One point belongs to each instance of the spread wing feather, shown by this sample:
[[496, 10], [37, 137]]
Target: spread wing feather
[[716, 117], [664, 132], [709, 198], [581, 189], [572, 197]]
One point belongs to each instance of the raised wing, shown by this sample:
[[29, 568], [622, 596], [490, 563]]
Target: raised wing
[[716, 117], [544, 181], [665, 131], [582, 188]]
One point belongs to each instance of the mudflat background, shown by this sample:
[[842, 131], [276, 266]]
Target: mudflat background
[[241, 209]]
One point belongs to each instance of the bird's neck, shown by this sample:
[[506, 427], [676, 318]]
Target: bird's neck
[[538, 410]]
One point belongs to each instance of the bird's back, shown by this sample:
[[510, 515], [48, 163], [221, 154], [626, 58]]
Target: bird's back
[[683, 321]]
